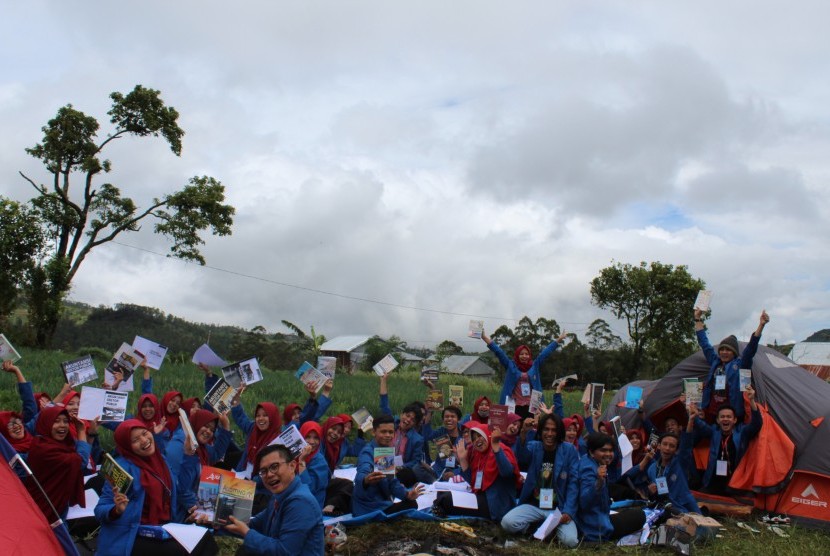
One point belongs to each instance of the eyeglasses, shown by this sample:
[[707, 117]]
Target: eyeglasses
[[272, 469], [15, 423]]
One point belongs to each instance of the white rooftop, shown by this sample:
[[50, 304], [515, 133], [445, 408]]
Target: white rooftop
[[344, 343]]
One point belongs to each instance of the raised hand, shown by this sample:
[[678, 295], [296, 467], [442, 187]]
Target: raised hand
[[160, 426], [415, 492], [120, 500]]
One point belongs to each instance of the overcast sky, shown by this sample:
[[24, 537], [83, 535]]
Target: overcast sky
[[463, 158]]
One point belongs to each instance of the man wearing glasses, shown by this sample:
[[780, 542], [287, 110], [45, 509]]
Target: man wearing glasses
[[292, 523]]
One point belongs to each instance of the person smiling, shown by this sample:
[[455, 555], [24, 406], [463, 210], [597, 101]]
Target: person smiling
[[291, 524], [313, 469]]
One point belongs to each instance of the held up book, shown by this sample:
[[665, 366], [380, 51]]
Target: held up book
[[633, 395], [235, 498], [79, 371], [597, 390], [385, 460], [219, 397], [291, 439], [189, 435], [561, 379], [476, 329], [327, 365], [498, 418], [363, 419], [309, 375], [430, 373], [435, 400], [208, 491], [457, 396], [443, 446], [385, 365], [703, 300], [746, 378], [154, 352], [109, 405], [535, 401], [242, 373], [7, 351], [115, 475], [125, 361], [693, 388]]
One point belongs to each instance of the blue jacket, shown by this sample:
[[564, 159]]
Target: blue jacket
[[291, 525], [501, 495], [675, 474], [732, 370], [741, 436], [513, 372], [316, 476], [565, 471], [414, 452], [188, 468], [367, 499], [117, 536], [440, 464], [593, 517]]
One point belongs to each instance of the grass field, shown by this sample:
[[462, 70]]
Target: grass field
[[42, 368]]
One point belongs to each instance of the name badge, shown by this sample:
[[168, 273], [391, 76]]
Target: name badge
[[662, 485], [545, 498], [525, 389], [398, 461], [479, 480], [720, 382], [450, 462], [721, 468]]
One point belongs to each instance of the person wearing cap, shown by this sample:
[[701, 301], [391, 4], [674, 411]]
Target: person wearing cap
[[723, 383]]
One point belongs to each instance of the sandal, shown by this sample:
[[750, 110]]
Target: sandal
[[746, 527]]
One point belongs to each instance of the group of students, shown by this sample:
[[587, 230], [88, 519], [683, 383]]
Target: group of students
[[539, 465]]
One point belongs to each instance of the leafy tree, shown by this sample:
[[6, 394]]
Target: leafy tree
[[80, 216], [309, 343], [377, 348], [447, 348], [600, 336], [21, 241], [655, 300]]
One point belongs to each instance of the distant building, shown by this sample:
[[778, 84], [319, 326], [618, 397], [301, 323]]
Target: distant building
[[348, 350], [813, 356], [467, 365]]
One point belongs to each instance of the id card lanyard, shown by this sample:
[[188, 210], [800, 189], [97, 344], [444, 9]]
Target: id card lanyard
[[722, 467], [720, 378]]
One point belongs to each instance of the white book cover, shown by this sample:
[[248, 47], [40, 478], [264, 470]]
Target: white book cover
[[204, 354], [109, 405], [327, 365], [703, 300], [7, 351], [243, 373], [184, 419], [154, 352], [385, 365], [476, 329], [291, 439], [309, 375], [126, 361]]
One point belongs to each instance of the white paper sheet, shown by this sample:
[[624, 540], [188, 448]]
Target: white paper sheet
[[625, 445], [187, 535], [547, 526], [76, 511], [464, 500], [426, 499], [626, 464], [349, 473], [207, 356], [152, 351], [463, 486]]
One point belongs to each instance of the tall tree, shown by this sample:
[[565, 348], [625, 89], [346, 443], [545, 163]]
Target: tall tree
[[80, 216], [21, 242], [655, 300]]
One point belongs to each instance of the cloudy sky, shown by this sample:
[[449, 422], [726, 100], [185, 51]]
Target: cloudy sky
[[425, 162]]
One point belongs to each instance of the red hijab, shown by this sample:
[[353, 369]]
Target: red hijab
[[510, 439], [312, 426], [187, 405], [486, 461], [580, 424], [198, 420], [155, 478], [288, 412], [73, 430], [475, 416], [332, 449], [56, 466], [156, 415], [39, 395], [638, 454], [172, 418], [524, 367], [21, 445], [258, 439]]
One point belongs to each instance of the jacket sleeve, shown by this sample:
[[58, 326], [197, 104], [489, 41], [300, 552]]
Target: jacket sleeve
[[241, 419], [572, 487], [545, 354], [174, 451], [147, 386], [384, 404], [501, 356], [186, 479], [505, 467], [27, 398], [708, 350], [753, 428], [749, 351], [323, 405], [415, 449], [105, 504], [220, 445], [588, 493], [297, 519], [84, 450], [523, 451], [558, 405]]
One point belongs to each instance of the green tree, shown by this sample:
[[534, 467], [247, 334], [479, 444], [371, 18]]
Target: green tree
[[447, 348], [80, 216], [21, 242], [309, 343], [377, 348], [655, 300]]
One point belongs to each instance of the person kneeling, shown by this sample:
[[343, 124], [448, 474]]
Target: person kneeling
[[292, 522]]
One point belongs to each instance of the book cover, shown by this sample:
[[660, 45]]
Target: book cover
[[457, 396], [7, 351], [535, 401], [309, 375], [430, 373], [597, 391], [327, 365], [363, 419], [219, 397], [703, 300], [746, 378], [693, 389], [124, 361], [115, 475], [562, 379], [108, 405], [586, 395], [154, 352], [188, 430], [235, 498], [291, 439], [443, 446], [476, 329], [434, 400], [208, 492], [385, 365], [498, 417], [242, 373], [617, 424], [633, 395], [79, 371], [385, 460]]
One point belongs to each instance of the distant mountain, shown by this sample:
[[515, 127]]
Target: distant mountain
[[820, 336]]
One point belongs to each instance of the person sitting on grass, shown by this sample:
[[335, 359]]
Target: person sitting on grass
[[552, 482], [313, 469], [374, 490], [445, 467], [666, 472], [408, 443]]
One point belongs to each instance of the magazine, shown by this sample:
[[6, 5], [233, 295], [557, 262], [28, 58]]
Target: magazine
[[430, 373], [435, 400], [363, 419], [220, 396], [151, 350], [188, 430], [693, 388], [476, 329], [385, 460], [7, 351], [209, 492], [291, 439], [535, 401], [746, 378], [385, 365], [115, 475], [309, 375], [78, 371], [242, 373], [703, 300], [235, 498], [597, 390], [327, 365], [498, 418], [457, 396], [126, 360], [109, 405]]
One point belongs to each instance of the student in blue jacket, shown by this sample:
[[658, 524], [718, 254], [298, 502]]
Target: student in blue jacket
[[723, 383], [408, 443], [313, 468], [291, 524], [666, 472], [374, 490], [446, 464], [594, 517], [552, 482], [523, 372]]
